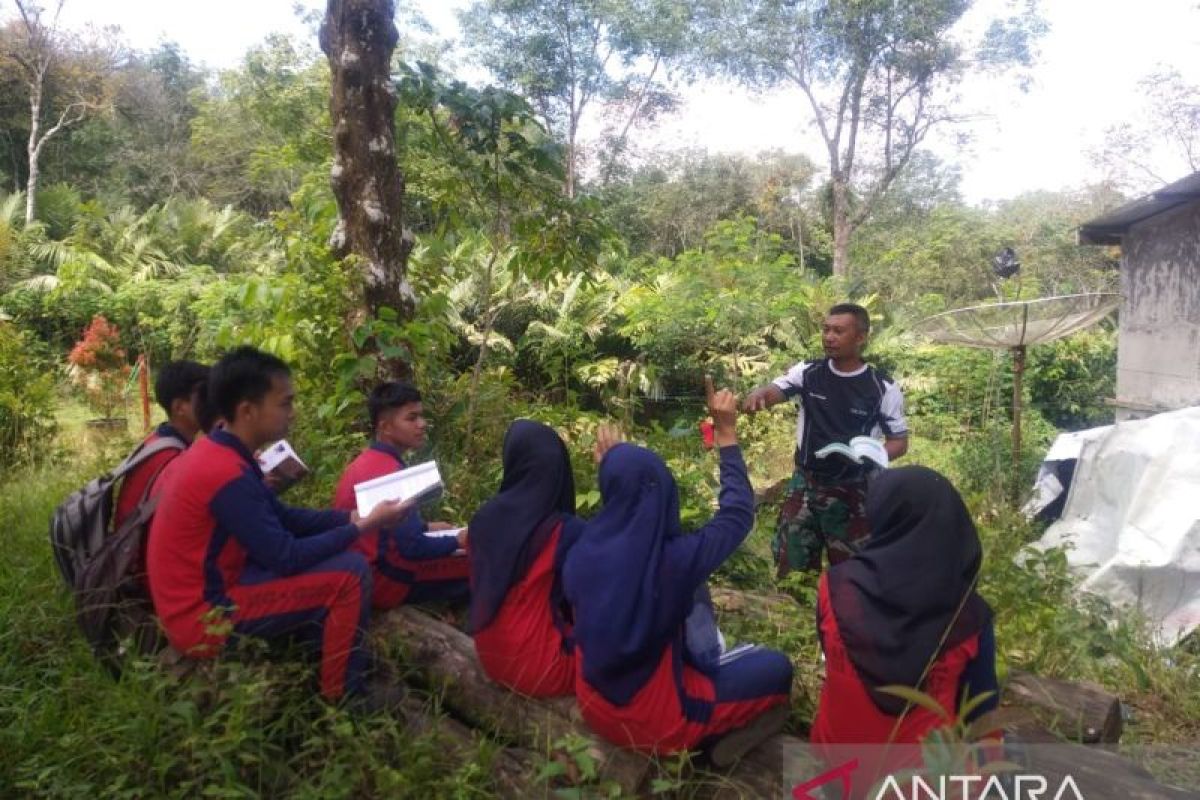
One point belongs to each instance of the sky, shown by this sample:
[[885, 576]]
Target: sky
[[1086, 80]]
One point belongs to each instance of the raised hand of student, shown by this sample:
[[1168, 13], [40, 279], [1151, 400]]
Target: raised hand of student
[[607, 436], [723, 408], [384, 515]]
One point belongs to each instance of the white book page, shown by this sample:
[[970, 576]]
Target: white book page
[[271, 457], [404, 484], [445, 533], [870, 448]]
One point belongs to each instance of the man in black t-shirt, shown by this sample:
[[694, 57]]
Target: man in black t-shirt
[[839, 397]]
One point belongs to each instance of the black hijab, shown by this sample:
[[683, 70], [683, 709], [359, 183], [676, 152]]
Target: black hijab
[[508, 531], [909, 595]]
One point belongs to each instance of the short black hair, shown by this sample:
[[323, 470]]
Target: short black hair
[[206, 413], [861, 317], [177, 380], [387, 396], [244, 373]]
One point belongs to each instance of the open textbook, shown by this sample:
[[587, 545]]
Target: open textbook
[[420, 483], [280, 463], [860, 449]]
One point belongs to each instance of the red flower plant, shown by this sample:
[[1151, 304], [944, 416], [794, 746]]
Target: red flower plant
[[100, 366]]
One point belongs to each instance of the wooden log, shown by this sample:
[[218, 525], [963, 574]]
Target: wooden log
[[514, 771], [768, 771], [1098, 772], [443, 658], [1078, 711]]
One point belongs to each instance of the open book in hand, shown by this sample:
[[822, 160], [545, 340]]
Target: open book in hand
[[860, 450], [420, 483], [281, 466]]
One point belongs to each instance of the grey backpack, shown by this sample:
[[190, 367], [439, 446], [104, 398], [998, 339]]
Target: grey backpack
[[101, 566]]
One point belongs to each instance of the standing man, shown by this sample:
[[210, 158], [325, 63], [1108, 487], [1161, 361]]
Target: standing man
[[839, 397]]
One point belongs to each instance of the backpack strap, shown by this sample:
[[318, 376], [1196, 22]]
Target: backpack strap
[[144, 452]]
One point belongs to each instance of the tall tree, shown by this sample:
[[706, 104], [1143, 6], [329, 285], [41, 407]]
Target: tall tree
[[1160, 144], [564, 58], [358, 37], [66, 79], [877, 76]]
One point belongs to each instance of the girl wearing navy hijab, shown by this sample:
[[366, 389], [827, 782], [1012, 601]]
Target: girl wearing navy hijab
[[518, 541], [631, 581], [904, 611]]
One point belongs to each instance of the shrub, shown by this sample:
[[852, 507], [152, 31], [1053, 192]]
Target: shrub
[[99, 366], [26, 397]]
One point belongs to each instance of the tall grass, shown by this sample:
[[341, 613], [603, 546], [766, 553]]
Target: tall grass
[[248, 727]]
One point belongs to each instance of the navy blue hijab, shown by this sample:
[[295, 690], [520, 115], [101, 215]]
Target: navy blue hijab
[[612, 580], [909, 595], [509, 531]]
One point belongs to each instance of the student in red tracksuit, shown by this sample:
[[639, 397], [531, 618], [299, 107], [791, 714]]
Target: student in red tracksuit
[[408, 565], [903, 612], [227, 558], [175, 390], [519, 540], [632, 580]]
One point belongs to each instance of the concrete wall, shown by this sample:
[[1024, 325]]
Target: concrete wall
[[1158, 357]]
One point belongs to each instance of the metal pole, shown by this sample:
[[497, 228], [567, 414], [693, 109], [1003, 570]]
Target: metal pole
[[144, 390], [1018, 374]]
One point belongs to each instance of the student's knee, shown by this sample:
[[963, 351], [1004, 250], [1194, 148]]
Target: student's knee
[[776, 671]]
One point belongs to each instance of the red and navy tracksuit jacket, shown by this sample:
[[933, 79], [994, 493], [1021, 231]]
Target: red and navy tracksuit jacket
[[227, 557], [527, 646], [846, 715], [680, 707], [136, 482], [408, 566]]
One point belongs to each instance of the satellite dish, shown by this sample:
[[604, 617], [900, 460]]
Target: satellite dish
[[1015, 326]]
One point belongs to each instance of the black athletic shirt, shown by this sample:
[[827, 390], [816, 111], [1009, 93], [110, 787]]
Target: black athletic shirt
[[837, 406]]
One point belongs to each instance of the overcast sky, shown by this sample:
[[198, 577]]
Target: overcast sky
[[1091, 60]]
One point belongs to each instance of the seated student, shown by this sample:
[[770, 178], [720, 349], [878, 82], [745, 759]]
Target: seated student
[[175, 390], [408, 565], [227, 558], [519, 539], [632, 580], [904, 612]]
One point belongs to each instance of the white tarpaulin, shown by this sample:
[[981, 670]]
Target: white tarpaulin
[[1132, 519]]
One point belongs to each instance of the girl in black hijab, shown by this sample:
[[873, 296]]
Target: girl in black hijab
[[518, 542], [904, 611]]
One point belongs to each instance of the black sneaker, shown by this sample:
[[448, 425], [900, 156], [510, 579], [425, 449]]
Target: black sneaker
[[732, 746]]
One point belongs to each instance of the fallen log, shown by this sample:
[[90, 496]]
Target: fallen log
[[1098, 773], [443, 659], [1078, 711], [514, 771]]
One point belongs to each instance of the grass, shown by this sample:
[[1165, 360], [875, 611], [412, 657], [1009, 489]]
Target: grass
[[252, 726]]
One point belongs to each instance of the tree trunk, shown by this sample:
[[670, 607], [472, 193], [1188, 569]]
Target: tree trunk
[[841, 228], [358, 37], [34, 150], [445, 658]]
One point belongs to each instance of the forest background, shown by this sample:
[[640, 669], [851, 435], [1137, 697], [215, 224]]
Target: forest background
[[149, 207]]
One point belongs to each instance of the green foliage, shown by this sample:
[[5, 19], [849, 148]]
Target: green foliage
[[27, 400], [734, 306], [1071, 380], [668, 203]]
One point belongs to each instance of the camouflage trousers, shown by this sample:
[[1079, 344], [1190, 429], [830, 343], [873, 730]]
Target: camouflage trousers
[[818, 517]]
